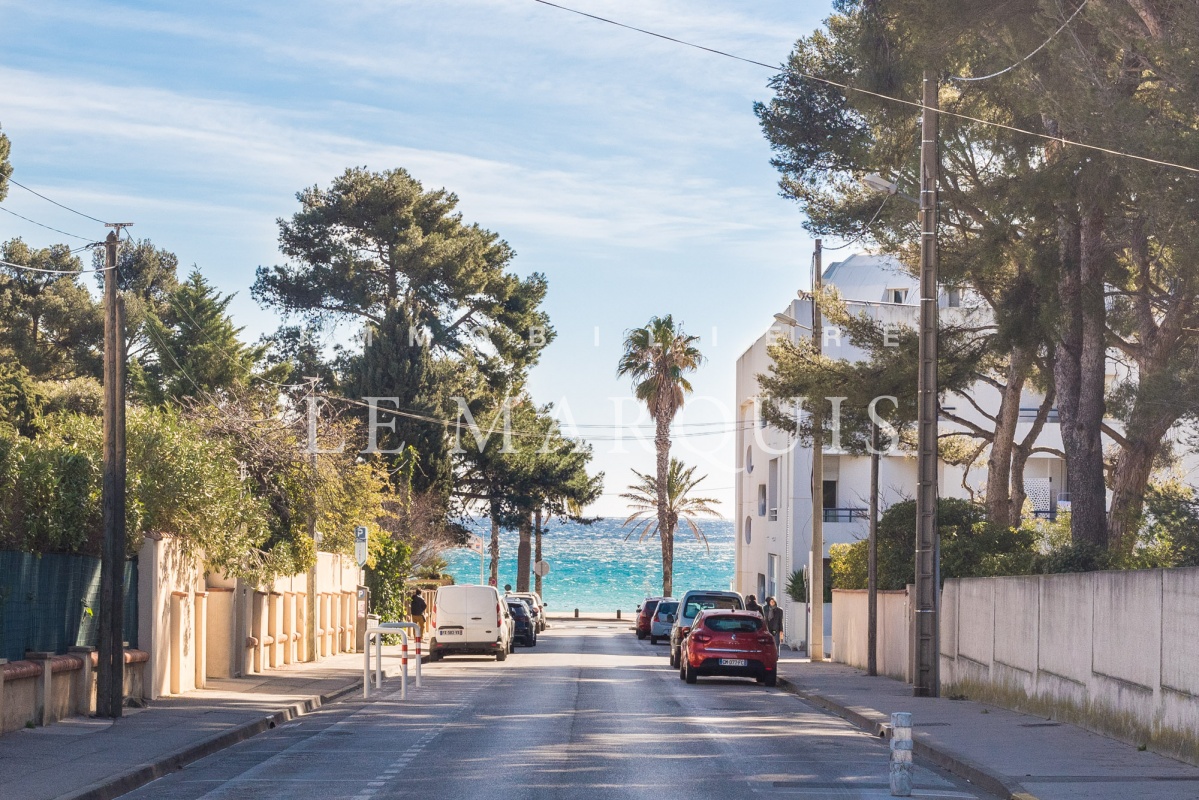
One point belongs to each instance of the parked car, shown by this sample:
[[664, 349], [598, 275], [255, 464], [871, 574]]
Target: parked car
[[729, 643], [536, 605], [524, 624], [645, 612], [468, 618], [690, 605], [662, 620]]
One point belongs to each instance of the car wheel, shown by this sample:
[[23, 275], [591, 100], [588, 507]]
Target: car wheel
[[501, 655], [653, 640], [688, 673], [771, 680], [682, 672], [641, 634], [674, 657]]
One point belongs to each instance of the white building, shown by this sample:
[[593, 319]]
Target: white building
[[773, 498]]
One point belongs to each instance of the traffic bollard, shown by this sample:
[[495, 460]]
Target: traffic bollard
[[418, 658], [901, 754]]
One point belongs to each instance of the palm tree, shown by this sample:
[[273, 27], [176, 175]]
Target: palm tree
[[680, 505], [657, 358]]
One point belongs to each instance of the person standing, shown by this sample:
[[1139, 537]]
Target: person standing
[[751, 604], [774, 620], [416, 609]]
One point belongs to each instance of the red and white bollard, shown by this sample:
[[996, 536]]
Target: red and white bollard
[[418, 657]]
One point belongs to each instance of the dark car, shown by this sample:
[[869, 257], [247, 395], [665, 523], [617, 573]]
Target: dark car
[[645, 613], [524, 625], [729, 643]]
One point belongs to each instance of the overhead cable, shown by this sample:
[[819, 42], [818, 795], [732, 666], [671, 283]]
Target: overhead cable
[[879, 95], [1044, 44], [47, 227], [55, 202]]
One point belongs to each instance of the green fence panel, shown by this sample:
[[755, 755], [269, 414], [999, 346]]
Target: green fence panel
[[51, 602]]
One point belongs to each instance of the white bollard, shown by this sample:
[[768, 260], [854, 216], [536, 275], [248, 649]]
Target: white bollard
[[418, 657], [901, 754]]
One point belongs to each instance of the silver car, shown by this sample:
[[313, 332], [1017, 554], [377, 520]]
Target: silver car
[[662, 620]]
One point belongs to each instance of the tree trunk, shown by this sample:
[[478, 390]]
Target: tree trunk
[[665, 531], [537, 549], [1131, 474], [495, 543], [1020, 455], [1079, 372], [523, 552], [1000, 484]]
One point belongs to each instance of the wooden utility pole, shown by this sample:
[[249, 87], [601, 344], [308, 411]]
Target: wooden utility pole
[[110, 673], [816, 558], [925, 634], [311, 600]]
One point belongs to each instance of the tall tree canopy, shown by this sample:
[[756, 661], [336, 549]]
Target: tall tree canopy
[[1073, 249]]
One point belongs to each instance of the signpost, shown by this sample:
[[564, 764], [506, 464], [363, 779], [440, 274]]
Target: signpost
[[360, 543]]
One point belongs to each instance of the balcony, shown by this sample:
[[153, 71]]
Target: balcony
[[845, 514]]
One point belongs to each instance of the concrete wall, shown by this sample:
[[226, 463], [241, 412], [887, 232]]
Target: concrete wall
[[850, 621], [1112, 651], [197, 625], [45, 688]]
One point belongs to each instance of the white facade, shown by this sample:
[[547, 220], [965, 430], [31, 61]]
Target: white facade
[[773, 499]]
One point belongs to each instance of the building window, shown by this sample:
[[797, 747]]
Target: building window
[[761, 587], [953, 297], [772, 492], [897, 296], [749, 523], [830, 494], [761, 499], [749, 460], [772, 575]]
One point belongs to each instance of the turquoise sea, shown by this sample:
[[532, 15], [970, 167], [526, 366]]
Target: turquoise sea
[[593, 568]]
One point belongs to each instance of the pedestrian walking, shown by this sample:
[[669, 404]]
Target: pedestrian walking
[[751, 604], [416, 609], [774, 620]]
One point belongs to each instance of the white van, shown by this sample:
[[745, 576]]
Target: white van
[[470, 619]]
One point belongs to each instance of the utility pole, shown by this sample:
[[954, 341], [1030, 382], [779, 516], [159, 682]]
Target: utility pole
[[110, 672], [872, 560], [816, 567], [925, 635], [311, 600]]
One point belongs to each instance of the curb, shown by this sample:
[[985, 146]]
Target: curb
[[992, 782], [135, 778]]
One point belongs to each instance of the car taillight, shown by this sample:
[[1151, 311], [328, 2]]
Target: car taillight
[[702, 638], [765, 638], [499, 618]]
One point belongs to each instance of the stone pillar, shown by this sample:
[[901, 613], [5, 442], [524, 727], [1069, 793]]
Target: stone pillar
[[41, 710], [200, 621], [289, 627], [260, 629], [275, 628], [86, 702], [303, 646], [176, 635]]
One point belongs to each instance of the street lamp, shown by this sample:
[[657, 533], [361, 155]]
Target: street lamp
[[789, 321]]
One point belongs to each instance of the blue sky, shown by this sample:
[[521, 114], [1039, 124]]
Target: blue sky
[[629, 170]]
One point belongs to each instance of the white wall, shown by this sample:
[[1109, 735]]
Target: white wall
[[1113, 651]]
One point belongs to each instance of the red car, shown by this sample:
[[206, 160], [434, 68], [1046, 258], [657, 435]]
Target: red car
[[644, 615], [736, 643]]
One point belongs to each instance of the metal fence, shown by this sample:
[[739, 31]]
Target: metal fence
[[51, 602]]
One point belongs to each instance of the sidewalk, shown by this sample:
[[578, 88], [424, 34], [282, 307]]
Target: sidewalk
[[99, 759], [1008, 754]]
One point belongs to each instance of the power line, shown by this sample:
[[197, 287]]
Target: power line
[[865, 231], [55, 202], [47, 227], [1044, 44], [53, 271], [879, 95]]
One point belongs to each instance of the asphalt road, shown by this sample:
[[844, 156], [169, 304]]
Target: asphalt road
[[589, 713]]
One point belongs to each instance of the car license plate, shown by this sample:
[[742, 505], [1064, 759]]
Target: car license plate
[[734, 662], [449, 632]]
